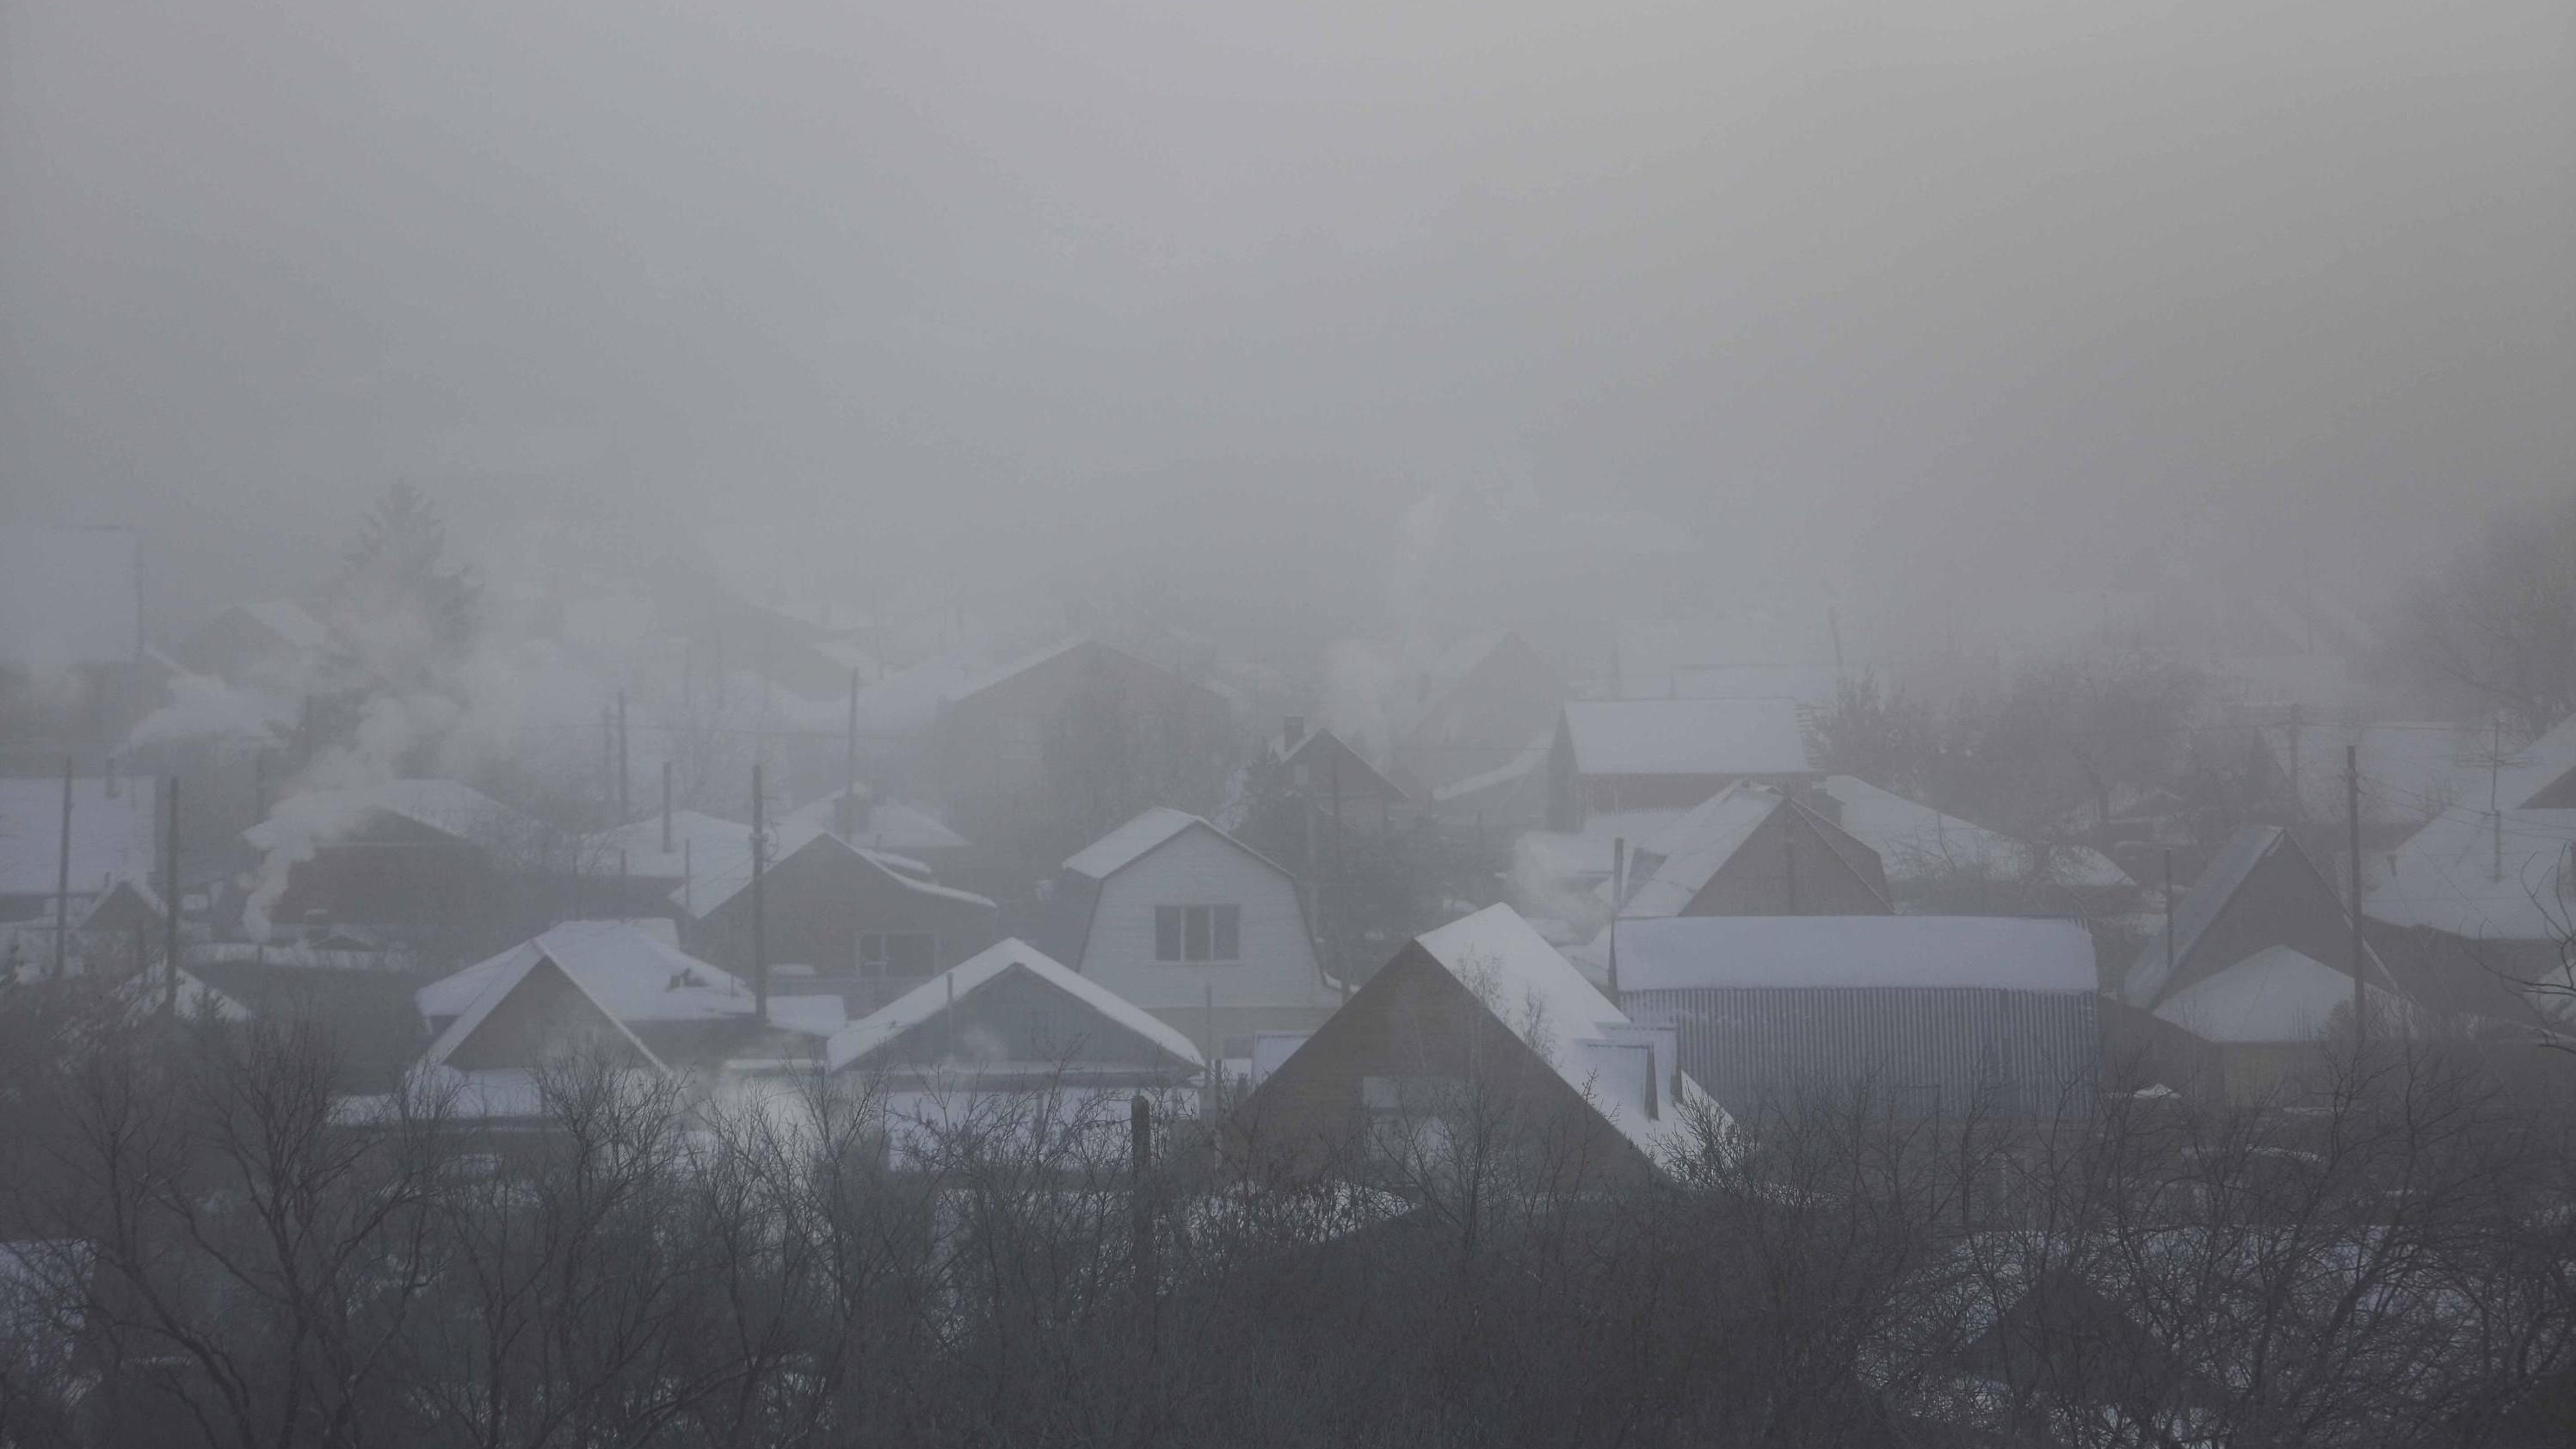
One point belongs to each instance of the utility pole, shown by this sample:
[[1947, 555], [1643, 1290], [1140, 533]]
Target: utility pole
[[1618, 899], [666, 807], [625, 810], [608, 759], [759, 922], [170, 907], [2169, 940], [2352, 825], [63, 878], [851, 765]]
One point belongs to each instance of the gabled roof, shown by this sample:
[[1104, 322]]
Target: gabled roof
[[291, 622], [909, 701], [2483, 876], [112, 832], [1149, 831], [1915, 841], [1541, 998], [2002, 953], [509, 979], [72, 596], [2206, 901], [1686, 737], [2278, 994], [698, 841], [1357, 773], [1694, 848], [885, 825], [450, 807], [635, 976], [2523, 775], [730, 875], [880, 1030], [128, 888]]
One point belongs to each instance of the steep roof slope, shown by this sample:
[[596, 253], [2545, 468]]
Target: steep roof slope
[[874, 1034], [1541, 998], [1916, 842], [2005, 953], [635, 976], [2484, 876], [1686, 737]]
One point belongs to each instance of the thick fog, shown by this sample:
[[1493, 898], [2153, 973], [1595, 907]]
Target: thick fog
[[1872, 299]]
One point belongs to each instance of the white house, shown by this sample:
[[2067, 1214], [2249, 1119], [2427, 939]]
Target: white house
[[1184, 920]]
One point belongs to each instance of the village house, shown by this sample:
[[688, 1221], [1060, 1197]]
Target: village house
[[1477, 1037], [861, 924], [1937, 862], [1924, 1015], [1751, 850], [1481, 713], [433, 864], [1617, 755], [2475, 909], [1016, 749], [74, 673], [862, 818], [1175, 915], [2260, 940], [1320, 767], [276, 643], [114, 823]]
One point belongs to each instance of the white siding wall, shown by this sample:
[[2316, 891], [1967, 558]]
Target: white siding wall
[[1197, 867]]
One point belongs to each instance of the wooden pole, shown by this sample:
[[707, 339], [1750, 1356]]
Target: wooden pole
[[666, 807], [63, 879], [759, 925], [850, 766], [1618, 899], [2169, 940], [1140, 1209], [2352, 826], [170, 908], [625, 777]]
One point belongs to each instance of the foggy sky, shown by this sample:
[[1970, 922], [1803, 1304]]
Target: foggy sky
[[1900, 295]]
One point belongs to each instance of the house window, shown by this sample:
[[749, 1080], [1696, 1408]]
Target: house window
[[1198, 933], [897, 955]]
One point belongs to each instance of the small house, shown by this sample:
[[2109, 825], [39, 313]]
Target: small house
[[112, 839], [1926, 1015], [682, 1008], [1479, 706], [1175, 915], [1477, 1036], [420, 861], [1751, 850], [1669, 754], [1012, 1017], [1937, 862], [1318, 765], [2256, 933], [862, 924]]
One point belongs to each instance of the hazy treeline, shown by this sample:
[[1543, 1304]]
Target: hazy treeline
[[206, 1254]]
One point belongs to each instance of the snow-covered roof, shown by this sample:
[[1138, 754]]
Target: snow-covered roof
[[1915, 841], [2199, 908], [1687, 737], [909, 701], [729, 875], [515, 969], [861, 1039], [884, 825], [2278, 994], [291, 622], [72, 596], [633, 975], [450, 807], [1534, 991], [2409, 771], [2003, 953], [1585, 857], [1518, 767], [1697, 845], [1136, 839], [697, 841], [140, 889], [2483, 876], [112, 833], [2520, 774]]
